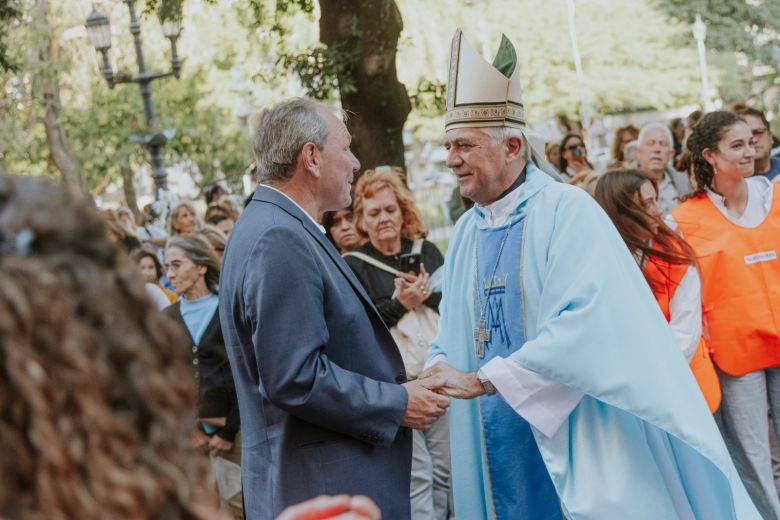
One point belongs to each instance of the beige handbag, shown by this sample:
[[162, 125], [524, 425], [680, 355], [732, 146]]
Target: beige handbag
[[416, 329]]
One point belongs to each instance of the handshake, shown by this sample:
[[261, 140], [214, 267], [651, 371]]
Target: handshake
[[428, 395]]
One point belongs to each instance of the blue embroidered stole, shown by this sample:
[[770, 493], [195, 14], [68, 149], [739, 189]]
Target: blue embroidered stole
[[520, 482]]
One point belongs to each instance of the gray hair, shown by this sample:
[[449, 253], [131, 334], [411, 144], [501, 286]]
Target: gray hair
[[281, 133], [655, 126], [199, 251], [500, 134]]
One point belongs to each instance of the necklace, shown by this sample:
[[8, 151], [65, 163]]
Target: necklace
[[481, 333]]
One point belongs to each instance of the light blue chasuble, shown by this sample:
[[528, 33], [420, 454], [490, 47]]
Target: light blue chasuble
[[641, 444], [520, 484]]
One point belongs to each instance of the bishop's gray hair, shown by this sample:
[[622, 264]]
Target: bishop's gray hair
[[499, 134], [280, 134], [655, 126]]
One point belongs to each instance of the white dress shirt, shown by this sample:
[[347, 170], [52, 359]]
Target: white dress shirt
[[320, 226]]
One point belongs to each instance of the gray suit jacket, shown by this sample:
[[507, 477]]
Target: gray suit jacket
[[316, 371]]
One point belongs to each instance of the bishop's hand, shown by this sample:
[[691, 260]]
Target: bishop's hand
[[457, 384]]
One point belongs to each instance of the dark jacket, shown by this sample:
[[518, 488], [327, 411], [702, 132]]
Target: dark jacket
[[216, 392], [380, 284], [316, 369]]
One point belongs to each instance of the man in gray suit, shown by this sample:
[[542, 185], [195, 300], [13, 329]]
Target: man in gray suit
[[654, 150], [324, 403]]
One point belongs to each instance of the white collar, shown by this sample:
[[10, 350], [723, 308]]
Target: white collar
[[759, 203], [497, 213], [320, 226]]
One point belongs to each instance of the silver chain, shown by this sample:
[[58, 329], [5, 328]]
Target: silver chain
[[483, 305]]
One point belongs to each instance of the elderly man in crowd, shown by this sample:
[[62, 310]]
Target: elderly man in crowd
[[653, 152], [576, 400], [323, 401]]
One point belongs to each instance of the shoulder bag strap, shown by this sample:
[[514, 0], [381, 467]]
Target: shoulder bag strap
[[373, 261], [417, 246]]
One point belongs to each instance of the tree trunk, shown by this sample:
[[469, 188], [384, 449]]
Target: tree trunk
[[128, 186], [368, 31], [48, 93]]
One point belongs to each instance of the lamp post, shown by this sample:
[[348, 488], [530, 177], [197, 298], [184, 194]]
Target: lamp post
[[585, 110], [99, 29], [700, 34]]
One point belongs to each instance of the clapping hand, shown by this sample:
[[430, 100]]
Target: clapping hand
[[457, 384]]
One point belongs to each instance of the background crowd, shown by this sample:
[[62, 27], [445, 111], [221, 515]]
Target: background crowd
[[687, 197]]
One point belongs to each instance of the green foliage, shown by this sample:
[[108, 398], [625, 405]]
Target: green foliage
[[10, 12], [628, 52], [168, 10], [257, 15], [323, 71], [743, 34], [205, 138], [430, 98], [732, 25]]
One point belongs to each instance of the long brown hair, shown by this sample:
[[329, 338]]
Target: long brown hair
[[618, 152], [97, 402], [617, 192]]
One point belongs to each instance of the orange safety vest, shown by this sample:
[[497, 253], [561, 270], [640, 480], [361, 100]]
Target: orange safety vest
[[740, 283], [666, 277]]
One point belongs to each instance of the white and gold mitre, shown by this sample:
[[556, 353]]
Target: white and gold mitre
[[480, 94]]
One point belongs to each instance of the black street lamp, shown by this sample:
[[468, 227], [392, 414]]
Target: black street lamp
[[99, 29]]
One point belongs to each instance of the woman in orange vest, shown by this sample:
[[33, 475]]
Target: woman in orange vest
[[732, 222], [630, 199]]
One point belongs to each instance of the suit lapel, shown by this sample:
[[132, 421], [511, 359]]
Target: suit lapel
[[266, 194]]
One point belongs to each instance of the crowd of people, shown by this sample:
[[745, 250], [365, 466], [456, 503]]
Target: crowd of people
[[604, 346]]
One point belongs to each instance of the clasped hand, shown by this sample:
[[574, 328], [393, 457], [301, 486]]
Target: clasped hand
[[424, 405], [454, 383], [428, 394]]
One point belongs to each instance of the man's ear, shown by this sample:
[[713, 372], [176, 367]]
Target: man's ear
[[514, 148], [310, 159]]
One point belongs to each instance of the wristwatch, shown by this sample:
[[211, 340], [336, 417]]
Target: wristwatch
[[486, 384]]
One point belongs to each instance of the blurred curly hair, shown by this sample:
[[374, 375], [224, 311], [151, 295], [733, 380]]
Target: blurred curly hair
[[96, 399], [370, 182]]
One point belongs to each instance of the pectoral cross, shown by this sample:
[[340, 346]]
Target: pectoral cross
[[481, 336]]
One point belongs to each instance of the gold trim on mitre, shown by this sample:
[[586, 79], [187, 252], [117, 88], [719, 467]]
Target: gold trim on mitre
[[478, 94]]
